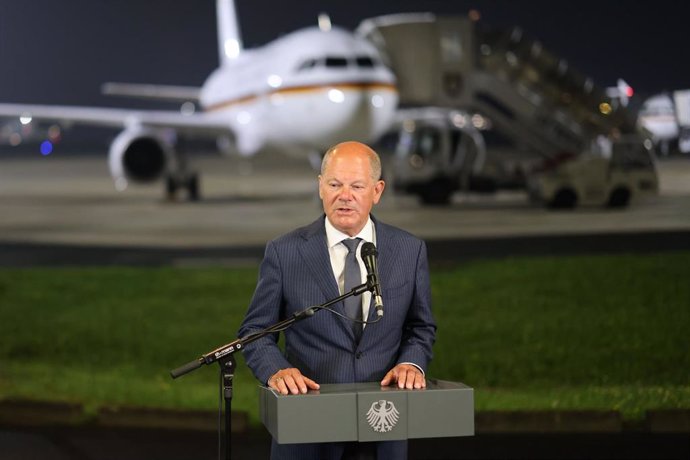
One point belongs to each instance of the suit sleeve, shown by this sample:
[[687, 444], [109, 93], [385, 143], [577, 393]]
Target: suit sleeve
[[263, 356], [419, 332]]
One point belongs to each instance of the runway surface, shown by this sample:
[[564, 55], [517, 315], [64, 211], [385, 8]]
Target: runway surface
[[63, 210]]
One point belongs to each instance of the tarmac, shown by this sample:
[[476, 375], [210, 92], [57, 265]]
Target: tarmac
[[63, 210]]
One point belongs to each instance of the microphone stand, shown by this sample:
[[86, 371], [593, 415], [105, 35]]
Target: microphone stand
[[224, 355]]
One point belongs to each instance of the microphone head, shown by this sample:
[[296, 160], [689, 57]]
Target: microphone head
[[368, 249]]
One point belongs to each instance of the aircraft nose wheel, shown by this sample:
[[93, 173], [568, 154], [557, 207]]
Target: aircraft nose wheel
[[189, 182]]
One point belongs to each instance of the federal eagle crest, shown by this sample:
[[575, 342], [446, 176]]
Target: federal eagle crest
[[382, 416]]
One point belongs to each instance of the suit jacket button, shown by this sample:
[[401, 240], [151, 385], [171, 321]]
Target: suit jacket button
[[359, 354]]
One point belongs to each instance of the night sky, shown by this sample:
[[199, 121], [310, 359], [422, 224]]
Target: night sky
[[61, 51]]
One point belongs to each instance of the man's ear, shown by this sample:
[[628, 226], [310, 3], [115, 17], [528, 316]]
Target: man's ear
[[378, 190]]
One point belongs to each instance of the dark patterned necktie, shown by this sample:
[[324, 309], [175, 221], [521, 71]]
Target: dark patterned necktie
[[353, 277]]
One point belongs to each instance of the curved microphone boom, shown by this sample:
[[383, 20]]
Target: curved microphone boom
[[369, 254]]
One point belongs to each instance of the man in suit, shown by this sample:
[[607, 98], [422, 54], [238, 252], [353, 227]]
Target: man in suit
[[306, 268]]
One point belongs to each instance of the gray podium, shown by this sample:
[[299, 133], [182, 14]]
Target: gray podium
[[367, 412]]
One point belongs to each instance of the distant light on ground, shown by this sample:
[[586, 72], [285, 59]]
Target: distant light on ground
[[46, 148], [54, 134], [15, 139]]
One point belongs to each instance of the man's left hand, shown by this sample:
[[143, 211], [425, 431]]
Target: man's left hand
[[406, 376]]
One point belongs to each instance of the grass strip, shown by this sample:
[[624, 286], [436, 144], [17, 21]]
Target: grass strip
[[534, 333]]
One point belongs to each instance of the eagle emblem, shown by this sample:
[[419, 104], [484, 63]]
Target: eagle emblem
[[382, 416]]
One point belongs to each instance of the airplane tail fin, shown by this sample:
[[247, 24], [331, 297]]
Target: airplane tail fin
[[229, 40], [622, 92]]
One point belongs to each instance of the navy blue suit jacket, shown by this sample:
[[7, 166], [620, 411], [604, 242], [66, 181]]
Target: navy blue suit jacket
[[296, 273]]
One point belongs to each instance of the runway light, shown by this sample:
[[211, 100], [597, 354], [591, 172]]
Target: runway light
[[46, 148]]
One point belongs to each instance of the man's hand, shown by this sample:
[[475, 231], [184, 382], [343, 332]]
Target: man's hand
[[291, 380], [406, 375]]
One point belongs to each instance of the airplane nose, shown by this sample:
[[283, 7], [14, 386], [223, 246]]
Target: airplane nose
[[367, 112], [336, 113]]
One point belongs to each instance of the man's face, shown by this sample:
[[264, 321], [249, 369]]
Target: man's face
[[347, 190]]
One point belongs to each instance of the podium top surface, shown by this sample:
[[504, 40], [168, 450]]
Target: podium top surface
[[374, 387]]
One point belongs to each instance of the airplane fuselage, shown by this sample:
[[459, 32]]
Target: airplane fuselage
[[311, 89]]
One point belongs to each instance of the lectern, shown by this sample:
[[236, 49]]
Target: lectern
[[368, 412]]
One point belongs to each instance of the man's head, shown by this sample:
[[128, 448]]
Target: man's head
[[350, 185]]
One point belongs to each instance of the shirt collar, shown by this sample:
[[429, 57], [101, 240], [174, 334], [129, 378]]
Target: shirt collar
[[335, 236]]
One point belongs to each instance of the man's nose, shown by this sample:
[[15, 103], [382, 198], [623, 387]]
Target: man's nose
[[345, 193]]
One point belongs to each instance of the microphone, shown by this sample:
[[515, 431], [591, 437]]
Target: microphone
[[369, 254]]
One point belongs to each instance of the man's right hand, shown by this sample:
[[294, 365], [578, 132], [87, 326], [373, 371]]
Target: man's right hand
[[291, 381]]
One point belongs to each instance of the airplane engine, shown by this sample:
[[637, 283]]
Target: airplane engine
[[138, 155]]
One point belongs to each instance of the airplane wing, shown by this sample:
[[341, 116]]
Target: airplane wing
[[154, 92], [137, 154], [201, 122]]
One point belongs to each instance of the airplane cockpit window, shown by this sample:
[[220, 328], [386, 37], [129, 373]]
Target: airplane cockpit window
[[336, 61], [308, 64], [365, 61]]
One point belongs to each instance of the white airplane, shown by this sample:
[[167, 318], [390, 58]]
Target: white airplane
[[302, 93]]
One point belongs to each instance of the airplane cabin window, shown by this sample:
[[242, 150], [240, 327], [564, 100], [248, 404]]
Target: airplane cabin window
[[333, 61], [365, 61]]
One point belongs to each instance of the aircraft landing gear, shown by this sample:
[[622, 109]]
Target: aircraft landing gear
[[190, 181]]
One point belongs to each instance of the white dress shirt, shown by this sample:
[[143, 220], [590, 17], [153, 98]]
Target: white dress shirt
[[337, 252]]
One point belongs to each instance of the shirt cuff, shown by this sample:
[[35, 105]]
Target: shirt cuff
[[420, 369]]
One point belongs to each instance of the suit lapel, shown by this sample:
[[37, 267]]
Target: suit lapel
[[314, 252]]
